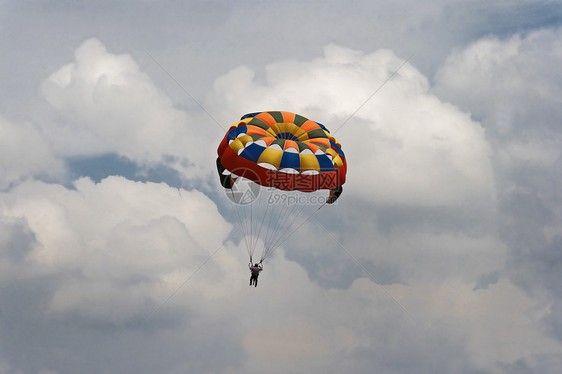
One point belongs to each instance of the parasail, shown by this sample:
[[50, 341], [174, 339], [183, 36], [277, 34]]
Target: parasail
[[274, 167]]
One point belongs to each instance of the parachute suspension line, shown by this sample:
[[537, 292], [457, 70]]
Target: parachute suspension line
[[272, 245], [256, 238], [249, 221], [252, 228], [287, 227], [280, 242], [241, 224], [244, 230], [268, 225], [247, 229], [279, 227], [283, 238], [272, 226], [251, 225]]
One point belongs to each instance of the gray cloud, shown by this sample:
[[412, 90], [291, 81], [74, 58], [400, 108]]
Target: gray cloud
[[515, 88], [24, 153], [407, 147], [105, 104], [110, 244], [452, 210]]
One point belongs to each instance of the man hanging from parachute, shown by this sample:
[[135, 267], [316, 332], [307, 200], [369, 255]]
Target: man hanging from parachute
[[255, 272], [282, 152]]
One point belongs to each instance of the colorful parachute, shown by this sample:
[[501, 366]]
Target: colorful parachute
[[280, 151]]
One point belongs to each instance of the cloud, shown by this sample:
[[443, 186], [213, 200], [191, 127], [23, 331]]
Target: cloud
[[25, 153], [130, 260], [113, 246], [105, 104], [16, 242], [404, 146], [506, 70], [412, 152], [514, 86], [501, 324], [360, 328], [108, 254]]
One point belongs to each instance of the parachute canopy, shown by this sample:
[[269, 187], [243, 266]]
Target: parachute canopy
[[283, 150]]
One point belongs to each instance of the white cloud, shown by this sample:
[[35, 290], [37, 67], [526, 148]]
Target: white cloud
[[531, 152], [514, 85], [112, 251], [106, 104], [24, 153], [422, 256], [115, 250], [113, 244], [319, 330], [404, 146], [501, 324], [8, 369]]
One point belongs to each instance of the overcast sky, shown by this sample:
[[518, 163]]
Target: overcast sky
[[120, 253]]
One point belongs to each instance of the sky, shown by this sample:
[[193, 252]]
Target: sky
[[121, 253]]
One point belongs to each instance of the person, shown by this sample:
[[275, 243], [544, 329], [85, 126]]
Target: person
[[255, 270]]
